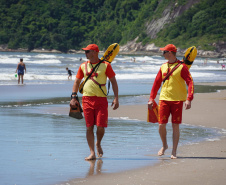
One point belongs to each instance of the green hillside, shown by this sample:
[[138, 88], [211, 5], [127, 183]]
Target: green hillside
[[72, 24]]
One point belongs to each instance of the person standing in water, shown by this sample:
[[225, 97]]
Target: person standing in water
[[69, 73], [94, 100], [172, 96], [20, 71]]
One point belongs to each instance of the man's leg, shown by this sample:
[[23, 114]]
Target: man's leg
[[90, 141], [176, 136], [164, 112], [101, 122], [163, 133], [100, 135], [177, 108]]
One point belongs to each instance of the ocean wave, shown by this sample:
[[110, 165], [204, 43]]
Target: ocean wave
[[136, 76], [213, 139], [122, 118], [50, 68], [56, 77], [46, 56], [27, 61]]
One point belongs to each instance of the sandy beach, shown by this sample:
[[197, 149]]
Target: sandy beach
[[201, 163]]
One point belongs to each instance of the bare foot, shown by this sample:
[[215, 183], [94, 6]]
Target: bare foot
[[99, 150], [162, 151], [173, 155], [90, 157]]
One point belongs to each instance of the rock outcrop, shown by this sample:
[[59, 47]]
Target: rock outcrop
[[168, 16], [154, 26]]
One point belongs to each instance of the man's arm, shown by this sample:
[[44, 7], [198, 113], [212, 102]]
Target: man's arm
[[115, 102], [185, 74], [76, 85], [156, 85]]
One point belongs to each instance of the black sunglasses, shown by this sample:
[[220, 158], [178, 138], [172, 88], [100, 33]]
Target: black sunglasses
[[87, 51], [164, 52]]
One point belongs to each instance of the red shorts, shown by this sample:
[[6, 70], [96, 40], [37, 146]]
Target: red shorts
[[95, 110], [170, 107]]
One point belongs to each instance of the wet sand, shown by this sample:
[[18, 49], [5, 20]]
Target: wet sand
[[201, 163]]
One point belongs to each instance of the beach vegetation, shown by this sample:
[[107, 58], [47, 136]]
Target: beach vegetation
[[71, 24]]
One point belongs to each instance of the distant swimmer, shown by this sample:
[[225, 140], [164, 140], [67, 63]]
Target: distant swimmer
[[133, 59], [223, 66], [69, 73], [20, 71]]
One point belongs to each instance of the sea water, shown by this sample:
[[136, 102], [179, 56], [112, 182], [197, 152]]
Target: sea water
[[51, 68], [40, 147]]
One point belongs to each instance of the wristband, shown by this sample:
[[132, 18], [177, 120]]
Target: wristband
[[74, 97]]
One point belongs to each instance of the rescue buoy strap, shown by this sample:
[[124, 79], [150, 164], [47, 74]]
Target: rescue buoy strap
[[168, 74], [104, 58]]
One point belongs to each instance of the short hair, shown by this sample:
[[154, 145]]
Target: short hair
[[21, 59]]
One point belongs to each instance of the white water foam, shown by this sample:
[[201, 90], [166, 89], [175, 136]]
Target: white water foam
[[50, 68], [122, 118]]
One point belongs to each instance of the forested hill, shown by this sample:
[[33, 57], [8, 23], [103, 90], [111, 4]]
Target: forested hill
[[72, 24]]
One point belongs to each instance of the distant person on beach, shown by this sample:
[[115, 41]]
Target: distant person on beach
[[94, 100], [20, 71], [172, 96], [223, 66], [69, 73]]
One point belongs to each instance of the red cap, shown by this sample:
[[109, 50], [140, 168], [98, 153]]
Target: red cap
[[92, 47], [169, 47]]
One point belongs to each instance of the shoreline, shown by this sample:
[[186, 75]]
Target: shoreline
[[200, 163], [180, 53]]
